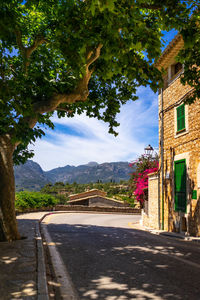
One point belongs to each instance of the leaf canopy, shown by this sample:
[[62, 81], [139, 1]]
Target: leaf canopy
[[75, 56]]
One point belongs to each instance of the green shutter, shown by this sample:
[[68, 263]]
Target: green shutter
[[180, 111], [180, 185]]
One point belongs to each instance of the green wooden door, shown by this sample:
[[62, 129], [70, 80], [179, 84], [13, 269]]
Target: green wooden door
[[180, 185]]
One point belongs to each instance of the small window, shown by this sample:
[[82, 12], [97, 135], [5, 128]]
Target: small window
[[180, 112], [175, 69]]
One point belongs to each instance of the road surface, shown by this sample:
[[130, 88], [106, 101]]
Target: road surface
[[108, 260]]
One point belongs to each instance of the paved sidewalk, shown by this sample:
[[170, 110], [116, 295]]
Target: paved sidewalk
[[166, 233], [18, 262]]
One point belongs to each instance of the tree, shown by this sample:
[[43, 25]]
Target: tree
[[71, 57], [190, 55], [59, 184]]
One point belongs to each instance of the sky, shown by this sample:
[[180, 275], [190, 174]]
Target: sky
[[79, 140]]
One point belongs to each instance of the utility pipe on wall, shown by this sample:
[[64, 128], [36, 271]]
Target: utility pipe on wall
[[162, 159]]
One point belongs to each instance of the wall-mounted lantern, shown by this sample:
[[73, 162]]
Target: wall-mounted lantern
[[148, 150]]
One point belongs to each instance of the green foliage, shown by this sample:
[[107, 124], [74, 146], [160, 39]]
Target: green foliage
[[61, 199], [59, 184], [44, 47], [25, 200], [190, 56], [129, 199], [114, 190]]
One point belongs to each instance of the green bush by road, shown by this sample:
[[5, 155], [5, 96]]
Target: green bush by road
[[25, 200]]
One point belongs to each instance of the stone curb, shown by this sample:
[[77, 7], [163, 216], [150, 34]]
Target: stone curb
[[179, 236], [67, 289], [41, 269], [66, 286]]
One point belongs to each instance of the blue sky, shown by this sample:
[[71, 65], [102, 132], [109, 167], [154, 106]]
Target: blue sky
[[79, 140]]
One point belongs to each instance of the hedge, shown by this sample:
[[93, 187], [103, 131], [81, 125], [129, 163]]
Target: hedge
[[25, 199]]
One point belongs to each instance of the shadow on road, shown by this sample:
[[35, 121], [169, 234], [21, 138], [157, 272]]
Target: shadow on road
[[115, 263]]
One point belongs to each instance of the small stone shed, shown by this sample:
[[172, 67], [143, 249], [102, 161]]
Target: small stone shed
[[94, 198]]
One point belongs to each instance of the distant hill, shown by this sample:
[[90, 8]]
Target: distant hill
[[31, 176], [105, 172]]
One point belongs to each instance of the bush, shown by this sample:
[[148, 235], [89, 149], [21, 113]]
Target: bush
[[130, 201], [61, 199], [25, 200]]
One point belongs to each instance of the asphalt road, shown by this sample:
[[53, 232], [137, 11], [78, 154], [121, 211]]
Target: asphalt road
[[109, 260]]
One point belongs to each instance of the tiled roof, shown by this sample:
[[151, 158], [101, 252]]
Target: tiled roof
[[93, 197], [170, 52]]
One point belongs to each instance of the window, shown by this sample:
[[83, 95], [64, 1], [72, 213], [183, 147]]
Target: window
[[180, 185], [180, 114], [175, 69]]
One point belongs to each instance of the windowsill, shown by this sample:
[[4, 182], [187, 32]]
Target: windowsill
[[182, 212], [176, 76], [181, 133]]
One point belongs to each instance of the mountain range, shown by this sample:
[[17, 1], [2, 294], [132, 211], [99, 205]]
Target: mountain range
[[30, 176]]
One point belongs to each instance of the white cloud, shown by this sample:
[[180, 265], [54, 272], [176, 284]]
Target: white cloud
[[138, 127]]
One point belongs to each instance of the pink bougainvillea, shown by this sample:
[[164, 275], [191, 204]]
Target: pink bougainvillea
[[142, 167], [142, 184]]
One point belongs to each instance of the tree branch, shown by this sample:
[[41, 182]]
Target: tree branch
[[93, 55], [37, 42], [27, 51], [80, 93], [1, 66], [151, 6], [64, 109], [19, 39]]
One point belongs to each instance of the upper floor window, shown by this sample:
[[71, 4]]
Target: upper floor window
[[181, 126], [180, 117], [176, 68], [171, 74]]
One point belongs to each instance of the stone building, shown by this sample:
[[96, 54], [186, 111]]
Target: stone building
[[177, 200], [94, 198]]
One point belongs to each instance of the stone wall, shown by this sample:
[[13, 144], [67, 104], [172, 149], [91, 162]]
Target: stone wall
[[102, 201], [80, 202], [183, 145], [98, 201], [79, 208], [150, 217]]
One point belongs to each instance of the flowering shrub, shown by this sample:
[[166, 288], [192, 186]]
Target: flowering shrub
[[139, 178], [142, 184]]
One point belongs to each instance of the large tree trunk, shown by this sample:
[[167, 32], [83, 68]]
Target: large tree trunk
[[8, 222]]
